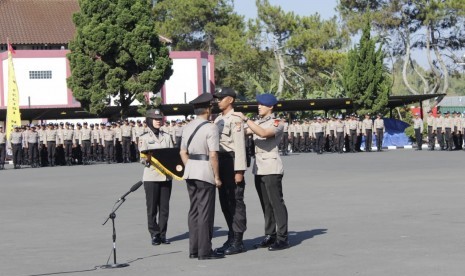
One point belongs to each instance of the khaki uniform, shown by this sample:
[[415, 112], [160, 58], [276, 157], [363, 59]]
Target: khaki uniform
[[418, 128], [16, 142], [431, 129], [439, 125], [232, 158], [378, 125], [126, 138]]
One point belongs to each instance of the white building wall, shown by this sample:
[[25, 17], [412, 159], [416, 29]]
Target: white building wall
[[183, 80], [41, 91]]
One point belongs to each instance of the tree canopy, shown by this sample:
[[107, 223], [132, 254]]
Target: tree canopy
[[116, 53]]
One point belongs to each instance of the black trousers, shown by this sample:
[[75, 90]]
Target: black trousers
[[126, 148], [270, 192], [17, 154], [368, 139], [201, 216], [306, 142], [51, 148], [418, 137], [231, 196], [68, 147], [431, 141], [33, 150], [157, 198], [455, 137], [285, 142], [440, 137], [292, 141], [95, 150], [177, 141], [319, 142], [2, 153], [449, 140], [340, 141], [379, 138], [109, 148], [118, 151], [86, 149], [353, 139], [332, 141]]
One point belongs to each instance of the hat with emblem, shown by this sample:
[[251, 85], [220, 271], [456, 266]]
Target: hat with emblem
[[154, 114], [267, 99], [225, 92], [203, 100]]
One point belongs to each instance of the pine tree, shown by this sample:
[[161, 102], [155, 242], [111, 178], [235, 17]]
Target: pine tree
[[116, 53], [365, 77]]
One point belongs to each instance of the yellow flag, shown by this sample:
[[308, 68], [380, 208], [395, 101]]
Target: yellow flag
[[13, 115]]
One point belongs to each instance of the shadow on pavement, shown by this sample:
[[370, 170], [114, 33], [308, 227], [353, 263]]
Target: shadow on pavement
[[295, 237]]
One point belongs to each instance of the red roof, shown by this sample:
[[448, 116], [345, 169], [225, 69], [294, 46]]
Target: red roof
[[39, 21]]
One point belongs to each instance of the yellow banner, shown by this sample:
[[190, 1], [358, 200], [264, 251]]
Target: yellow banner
[[13, 115]]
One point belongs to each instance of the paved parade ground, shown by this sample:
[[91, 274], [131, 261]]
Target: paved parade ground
[[398, 212]]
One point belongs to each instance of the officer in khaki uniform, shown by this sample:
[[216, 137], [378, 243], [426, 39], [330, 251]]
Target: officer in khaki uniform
[[2, 148], [418, 128], [268, 171], [199, 153], [68, 142], [340, 127], [318, 129], [16, 144], [431, 130], [439, 124], [85, 142], [108, 142], [126, 136], [95, 139], [32, 140], [51, 137], [448, 125], [353, 132], [378, 125], [367, 131], [157, 186], [232, 164]]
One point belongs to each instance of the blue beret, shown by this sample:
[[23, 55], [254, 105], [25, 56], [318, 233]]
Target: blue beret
[[267, 99]]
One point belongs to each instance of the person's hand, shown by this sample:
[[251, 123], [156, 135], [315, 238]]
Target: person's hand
[[218, 182], [238, 177], [239, 114]]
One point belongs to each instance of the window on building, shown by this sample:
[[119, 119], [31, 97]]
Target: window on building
[[40, 75]]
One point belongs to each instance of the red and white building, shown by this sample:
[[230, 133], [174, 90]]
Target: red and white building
[[40, 30]]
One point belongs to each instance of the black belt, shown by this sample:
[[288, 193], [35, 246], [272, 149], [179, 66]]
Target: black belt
[[226, 154], [51, 141], [379, 129], [69, 141], [85, 140], [203, 157]]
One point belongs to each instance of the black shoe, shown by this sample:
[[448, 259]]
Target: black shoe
[[237, 246], [156, 240], [227, 244], [212, 256], [193, 256], [266, 242], [165, 240], [279, 245]]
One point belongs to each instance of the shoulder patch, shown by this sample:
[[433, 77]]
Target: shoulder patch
[[276, 122]]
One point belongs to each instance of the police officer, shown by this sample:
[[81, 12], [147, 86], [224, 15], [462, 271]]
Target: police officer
[[157, 186], [431, 130], [33, 146], [51, 137], [285, 139], [199, 153], [339, 125], [95, 139], [353, 131], [16, 143], [2, 148], [126, 136], [378, 125], [367, 131], [448, 125], [85, 142], [418, 128], [232, 163], [439, 124], [108, 142], [318, 129], [68, 137], [268, 171]]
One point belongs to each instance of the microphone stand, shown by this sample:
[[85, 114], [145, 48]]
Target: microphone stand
[[112, 216]]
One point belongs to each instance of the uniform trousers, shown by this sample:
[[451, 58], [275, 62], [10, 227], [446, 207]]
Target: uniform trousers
[[449, 140], [332, 141], [368, 139], [17, 154], [270, 192], [157, 197], [379, 138], [68, 149], [33, 150], [109, 148], [285, 141], [231, 195], [431, 141], [340, 141], [177, 141], [201, 216], [353, 139], [455, 137], [126, 148], [418, 137], [95, 149], [440, 137], [306, 142], [51, 147], [319, 142], [2, 153], [86, 149], [291, 140]]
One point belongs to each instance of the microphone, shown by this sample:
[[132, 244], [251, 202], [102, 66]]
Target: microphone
[[133, 189]]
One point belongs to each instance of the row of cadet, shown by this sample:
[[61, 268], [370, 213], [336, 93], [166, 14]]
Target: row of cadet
[[335, 134], [62, 144], [446, 130]]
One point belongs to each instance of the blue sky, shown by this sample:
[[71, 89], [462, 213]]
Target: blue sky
[[325, 8]]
